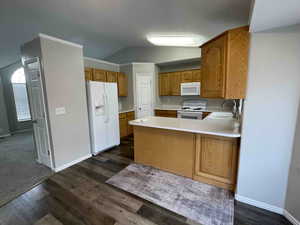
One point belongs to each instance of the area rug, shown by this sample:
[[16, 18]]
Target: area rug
[[203, 203]]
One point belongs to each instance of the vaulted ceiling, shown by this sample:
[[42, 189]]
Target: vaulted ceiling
[[105, 26]]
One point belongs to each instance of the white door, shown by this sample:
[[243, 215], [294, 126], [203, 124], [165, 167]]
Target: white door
[[38, 110], [144, 95]]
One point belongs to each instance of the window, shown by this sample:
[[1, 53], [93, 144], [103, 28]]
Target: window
[[20, 95]]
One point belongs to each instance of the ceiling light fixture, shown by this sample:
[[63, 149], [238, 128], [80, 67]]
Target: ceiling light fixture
[[176, 40]]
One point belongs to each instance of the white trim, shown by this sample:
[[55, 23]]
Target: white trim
[[290, 218], [59, 40], [259, 204], [60, 168], [5, 135], [101, 61], [137, 63], [125, 64]]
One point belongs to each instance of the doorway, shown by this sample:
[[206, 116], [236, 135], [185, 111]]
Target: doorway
[[21, 164], [38, 111], [144, 95]]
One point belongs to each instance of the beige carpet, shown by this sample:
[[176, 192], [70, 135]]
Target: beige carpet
[[203, 203], [19, 170]]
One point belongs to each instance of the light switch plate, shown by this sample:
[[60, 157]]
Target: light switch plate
[[60, 111]]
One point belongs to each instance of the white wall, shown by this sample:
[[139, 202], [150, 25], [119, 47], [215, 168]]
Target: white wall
[[139, 69], [100, 64], [65, 87], [293, 191], [269, 118], [154, 54]]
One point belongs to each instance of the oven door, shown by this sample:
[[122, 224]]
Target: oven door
[[189, 115]]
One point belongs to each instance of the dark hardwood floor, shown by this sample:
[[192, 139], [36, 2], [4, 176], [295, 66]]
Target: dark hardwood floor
[[79, 196]]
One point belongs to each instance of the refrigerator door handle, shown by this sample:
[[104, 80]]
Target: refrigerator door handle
[[107, 107]]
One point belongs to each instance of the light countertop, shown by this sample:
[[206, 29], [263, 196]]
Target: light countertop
[[126, 110], [208, 109], [217, 124]]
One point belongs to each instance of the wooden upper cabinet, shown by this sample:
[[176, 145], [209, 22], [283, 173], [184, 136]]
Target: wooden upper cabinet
[[187, 76], [196, 75], [225, 65], [164, 84], [170, 83], [88, 73], [122, 84], [111, 76], [99, 75], [213, 69], [175, 83]]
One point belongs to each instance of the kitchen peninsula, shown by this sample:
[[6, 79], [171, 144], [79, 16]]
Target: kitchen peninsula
[[204, 150]]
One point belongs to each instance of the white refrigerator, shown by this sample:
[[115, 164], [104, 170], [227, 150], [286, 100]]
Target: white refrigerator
[[103, 115]]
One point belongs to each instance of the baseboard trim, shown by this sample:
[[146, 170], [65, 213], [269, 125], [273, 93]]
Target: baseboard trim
[[65, 166], [290, 218], [259, 204]]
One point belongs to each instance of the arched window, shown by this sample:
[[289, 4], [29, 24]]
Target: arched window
[[20, 95]]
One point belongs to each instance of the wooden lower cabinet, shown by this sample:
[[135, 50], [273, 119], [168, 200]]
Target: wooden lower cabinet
[[125, 128], [216, 161], [129, 116], [205, 114], [205, 158], [165, 113], [123, 125], [168, 150]]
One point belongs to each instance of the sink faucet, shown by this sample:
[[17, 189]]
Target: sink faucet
[[235, 108]]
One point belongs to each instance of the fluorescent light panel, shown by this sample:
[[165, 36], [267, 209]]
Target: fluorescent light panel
[[174, 40]]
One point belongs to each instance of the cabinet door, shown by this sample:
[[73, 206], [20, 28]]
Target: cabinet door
[[164, 84], [123, 124], [130, 116], [175, 81], [88, 73], [216, 161], [160, 113], [187, 76], [122, 84], [213, 69], [111, 76], [196, 75], [99, 75], [172, 113]]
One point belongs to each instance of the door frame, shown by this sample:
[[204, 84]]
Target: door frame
[[24, 63], [136, 77]]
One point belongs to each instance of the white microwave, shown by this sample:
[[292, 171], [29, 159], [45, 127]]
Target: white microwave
[[192, 88]]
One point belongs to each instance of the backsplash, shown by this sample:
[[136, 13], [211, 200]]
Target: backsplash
[[177, 101]]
